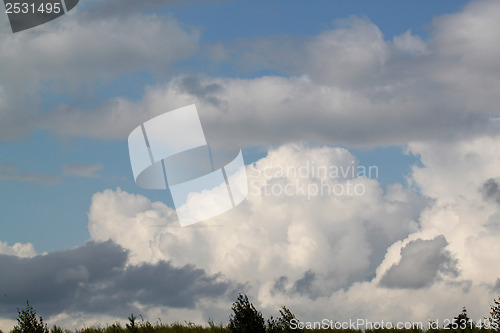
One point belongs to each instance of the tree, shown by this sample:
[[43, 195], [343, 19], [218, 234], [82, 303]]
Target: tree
[[461, 322], [494, 319], [28, 323], [282, 324], [132, 327], [245, 317]]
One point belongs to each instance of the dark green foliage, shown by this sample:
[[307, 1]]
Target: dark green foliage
[[216, 328], [245, 317], [494, 319], [387, 330], [115, 328], [131, 326], [57, 329], [283, 323], [28, 323], [148, 327], [462, 322]]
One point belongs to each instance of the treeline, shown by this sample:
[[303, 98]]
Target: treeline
[[245, 318]]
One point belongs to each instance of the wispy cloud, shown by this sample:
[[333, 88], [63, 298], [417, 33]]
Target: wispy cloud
[[82, 170]]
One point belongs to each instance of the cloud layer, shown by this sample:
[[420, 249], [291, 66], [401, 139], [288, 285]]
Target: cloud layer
[[347, 85]]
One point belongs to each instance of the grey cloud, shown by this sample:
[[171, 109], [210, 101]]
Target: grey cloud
[[346, 85], [205, 91], [113, 48], [491, 190], [350, 54], [82, 170], [420, 265], [302, 286], [496, 286], [94, 278], [280, 285]]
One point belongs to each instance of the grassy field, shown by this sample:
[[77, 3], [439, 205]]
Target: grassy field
[[147, 327], [179, 328]]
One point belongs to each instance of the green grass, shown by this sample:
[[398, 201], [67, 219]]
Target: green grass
[[147, 327]]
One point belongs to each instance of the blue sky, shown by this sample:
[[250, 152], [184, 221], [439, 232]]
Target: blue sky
[[409, 87]]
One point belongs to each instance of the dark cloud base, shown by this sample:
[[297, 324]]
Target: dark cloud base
[[95, 278], [420, 265]]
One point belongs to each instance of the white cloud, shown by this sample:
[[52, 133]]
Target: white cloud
[[135, 213], [410, 43], [18, 249], [348, 56], [455, 175]]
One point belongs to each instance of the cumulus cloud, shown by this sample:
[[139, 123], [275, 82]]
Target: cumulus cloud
[[314, 243], [18, 249], [95, 278], [455, 174], [409, 43]]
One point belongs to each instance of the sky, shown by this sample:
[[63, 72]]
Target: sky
[[409, 89]]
